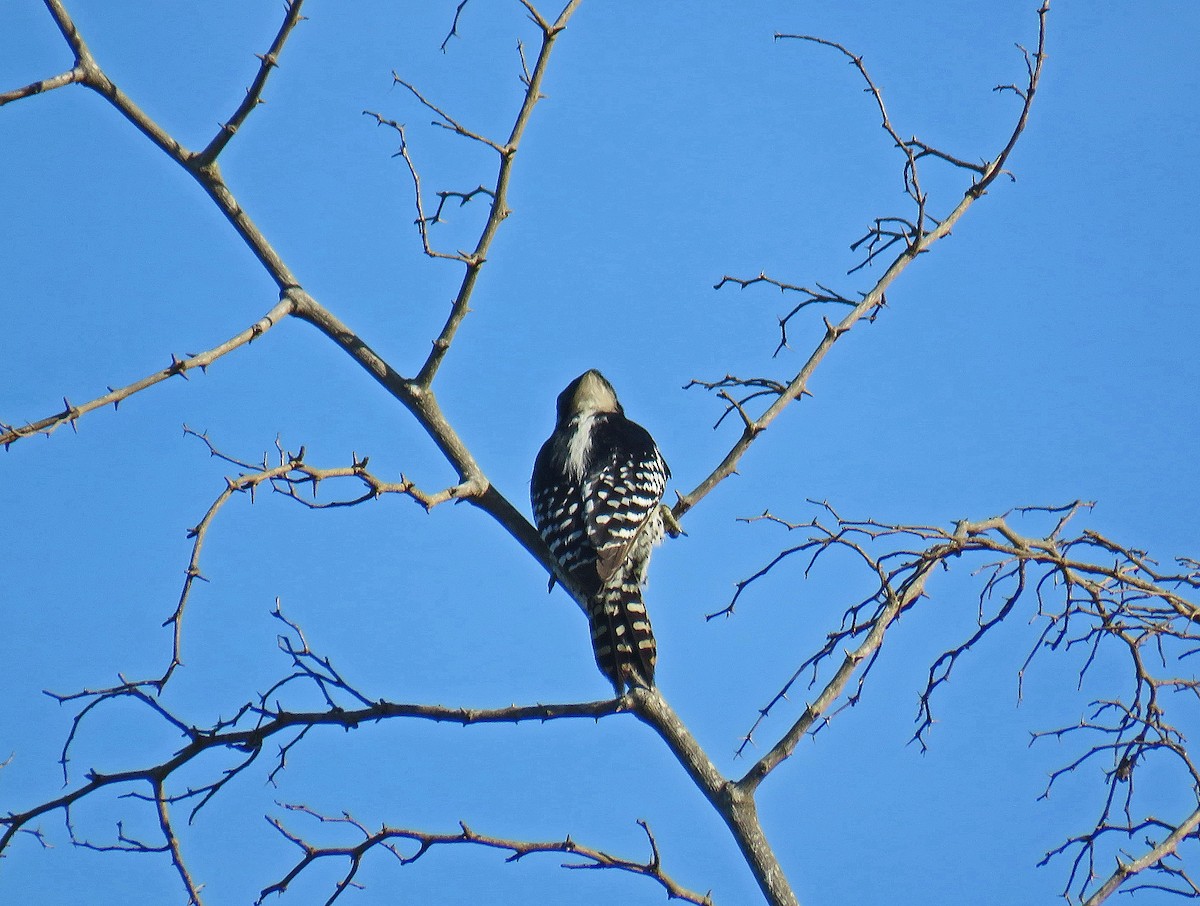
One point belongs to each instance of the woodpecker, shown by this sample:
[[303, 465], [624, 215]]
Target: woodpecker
[[596, 490]]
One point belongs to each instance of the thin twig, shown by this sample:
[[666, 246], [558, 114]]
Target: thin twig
[[253, 98], [917, 244], [10, 434], [387, 836]]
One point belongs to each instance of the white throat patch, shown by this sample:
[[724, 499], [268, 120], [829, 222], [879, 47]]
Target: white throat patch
[[580, 445]]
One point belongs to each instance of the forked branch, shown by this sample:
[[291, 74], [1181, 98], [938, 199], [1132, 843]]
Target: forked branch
[[244, 736], [1088, 593], [388, 838], [916, 239]]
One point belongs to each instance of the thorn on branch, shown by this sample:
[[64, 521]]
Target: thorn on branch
[[453, 33], [833, 331]]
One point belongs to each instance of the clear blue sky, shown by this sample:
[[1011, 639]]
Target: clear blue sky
[[1045, 352]]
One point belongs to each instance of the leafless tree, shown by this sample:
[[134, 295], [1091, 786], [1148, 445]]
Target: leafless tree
[[1085, 591]]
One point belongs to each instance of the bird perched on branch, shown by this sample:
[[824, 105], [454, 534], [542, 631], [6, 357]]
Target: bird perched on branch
[[597, 488]]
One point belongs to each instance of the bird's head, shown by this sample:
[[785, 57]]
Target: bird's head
[[589, 393]]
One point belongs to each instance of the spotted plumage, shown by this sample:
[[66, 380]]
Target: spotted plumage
[[597, 484]]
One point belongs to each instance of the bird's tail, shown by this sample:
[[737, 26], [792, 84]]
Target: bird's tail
[[621, 635]]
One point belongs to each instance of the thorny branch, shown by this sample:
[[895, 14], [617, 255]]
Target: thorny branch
[[245, 736], [453, 33], [10, 434], [289, 475], [820, 296], [462, 197], [915, 236], [423, 222], [416, 394], [1089, 594], [910, 173], [202, 166], [267, 62], [163, 811], [388, 839], [748, 390], [446, 121], [246, 733], [499, 210]]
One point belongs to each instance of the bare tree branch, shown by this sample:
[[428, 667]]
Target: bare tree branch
[[387, 837], [164, 823], [446, 121], [917, 241], [1090, 591], [893, 600], [290, 473], [912, 181], [822, 295], [253, 98], [246, 733], [10, 434], [734, 802], [499, 209], [453, 33], [70, 77], [422, 221], [1132, 601], [1152, 859], [416, 395]]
